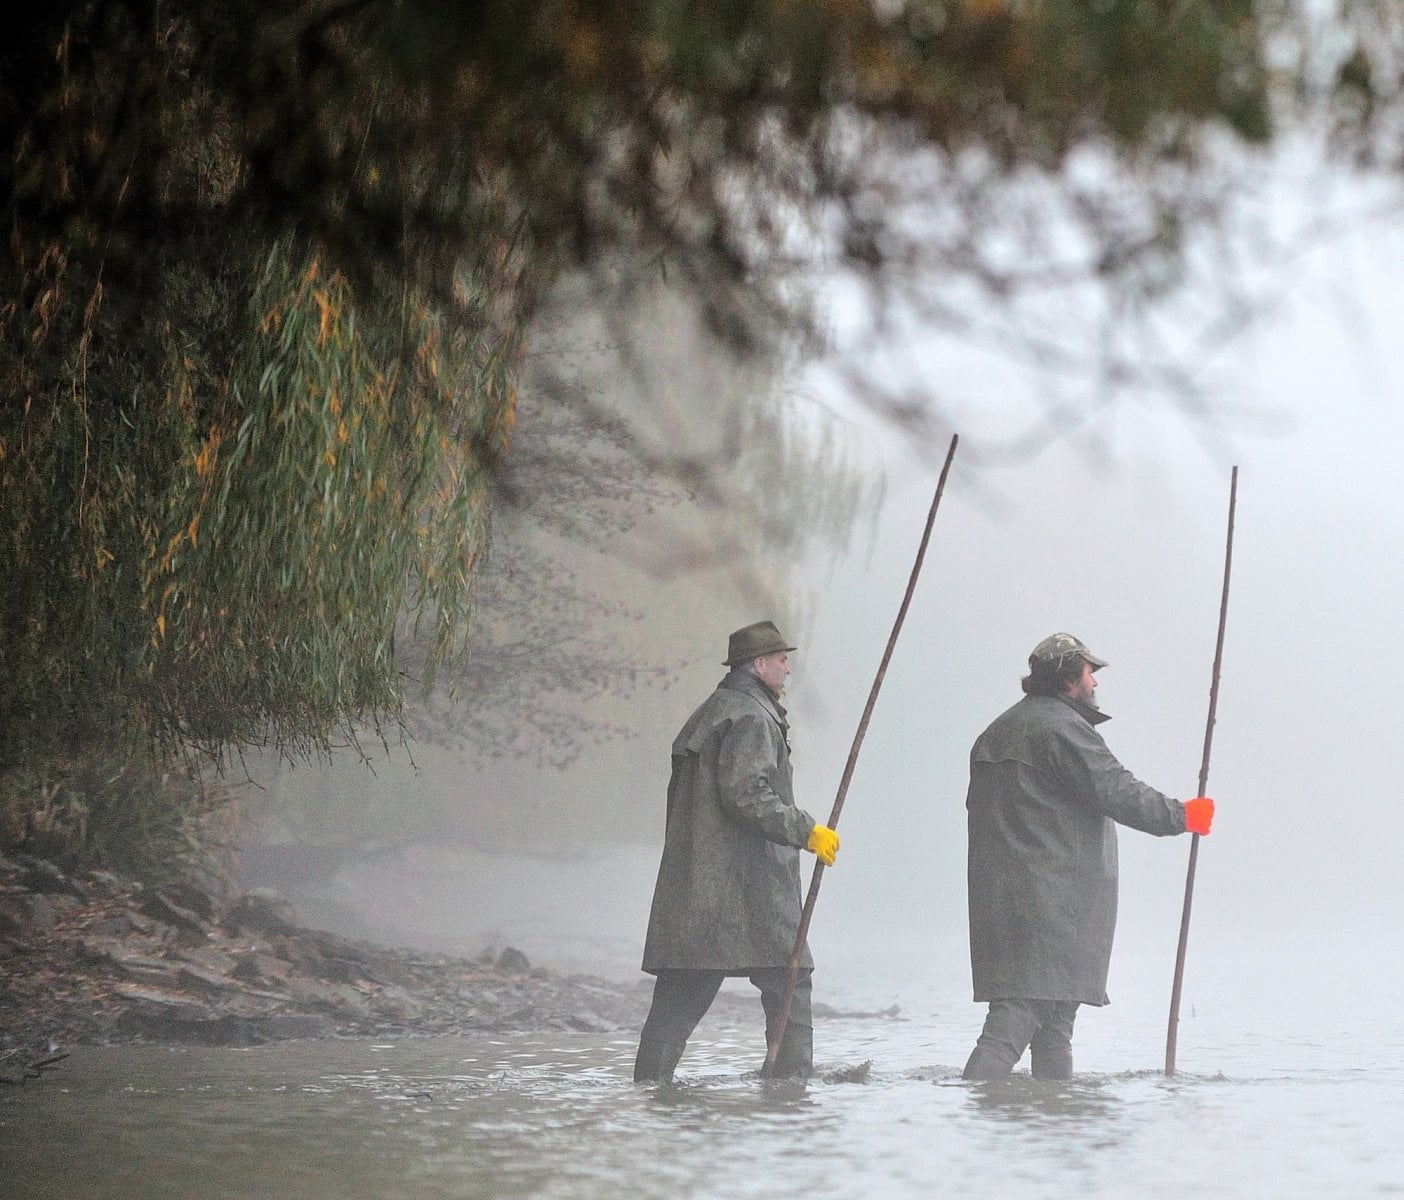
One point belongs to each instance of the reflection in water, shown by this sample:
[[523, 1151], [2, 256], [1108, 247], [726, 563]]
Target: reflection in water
[[720, 1093], [1043, 1103]]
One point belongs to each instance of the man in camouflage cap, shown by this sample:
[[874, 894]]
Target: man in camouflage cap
[[727, 901], [1044, 801]]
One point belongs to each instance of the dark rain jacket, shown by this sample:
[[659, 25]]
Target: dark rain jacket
[[1045, 797], [728, 891]]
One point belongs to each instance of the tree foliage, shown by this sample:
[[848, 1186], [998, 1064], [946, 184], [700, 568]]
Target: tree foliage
[[268, 270], [373, 125], [219, 556]]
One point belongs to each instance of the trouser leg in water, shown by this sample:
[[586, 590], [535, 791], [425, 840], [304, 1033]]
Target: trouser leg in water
[[796, 1056], [1042, 1026], [1050, 1048], [680, 1000]]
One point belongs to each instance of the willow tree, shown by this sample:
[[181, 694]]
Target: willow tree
[[268, 270]]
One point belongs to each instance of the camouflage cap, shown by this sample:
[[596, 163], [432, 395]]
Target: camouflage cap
[[754, 640], [1055, 650]]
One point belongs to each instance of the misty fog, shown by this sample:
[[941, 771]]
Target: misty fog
[[1114, 531]]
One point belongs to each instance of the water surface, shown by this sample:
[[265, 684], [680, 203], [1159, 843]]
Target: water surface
[[1270, 1100]]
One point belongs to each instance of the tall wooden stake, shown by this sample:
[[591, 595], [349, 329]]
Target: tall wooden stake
[[1173, 1027], [777, 1034]]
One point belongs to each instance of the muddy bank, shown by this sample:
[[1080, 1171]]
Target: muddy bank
[[87, 957]]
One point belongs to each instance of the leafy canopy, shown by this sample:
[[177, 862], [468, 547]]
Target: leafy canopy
[[268, 269]]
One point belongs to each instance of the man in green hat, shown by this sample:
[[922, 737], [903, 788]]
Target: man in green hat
[[1045, 798], [727, 901]]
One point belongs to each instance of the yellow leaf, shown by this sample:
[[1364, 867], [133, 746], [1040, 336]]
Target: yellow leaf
[[204, 461], [324, 328]]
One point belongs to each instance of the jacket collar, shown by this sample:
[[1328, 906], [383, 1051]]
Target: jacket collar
[[741, 680], [1093, 716]]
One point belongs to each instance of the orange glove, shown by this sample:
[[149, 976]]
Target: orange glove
[[1199, 815], [823, 842]]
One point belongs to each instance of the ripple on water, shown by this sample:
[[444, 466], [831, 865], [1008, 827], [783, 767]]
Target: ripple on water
[[559, 1117]]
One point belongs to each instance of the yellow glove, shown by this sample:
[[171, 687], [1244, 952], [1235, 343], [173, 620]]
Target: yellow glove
[[823, 842]]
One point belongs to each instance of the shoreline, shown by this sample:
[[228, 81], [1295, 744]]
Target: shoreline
[[88, 957], [92, 958]]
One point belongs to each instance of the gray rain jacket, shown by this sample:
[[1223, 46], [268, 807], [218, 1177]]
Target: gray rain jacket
[[1045, 797], [728, 891]]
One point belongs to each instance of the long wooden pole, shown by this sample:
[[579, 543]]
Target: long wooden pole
[[1173, 1028], [777, 1033]]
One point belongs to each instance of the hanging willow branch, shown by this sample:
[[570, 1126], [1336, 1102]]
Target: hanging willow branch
[[240, 537]]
